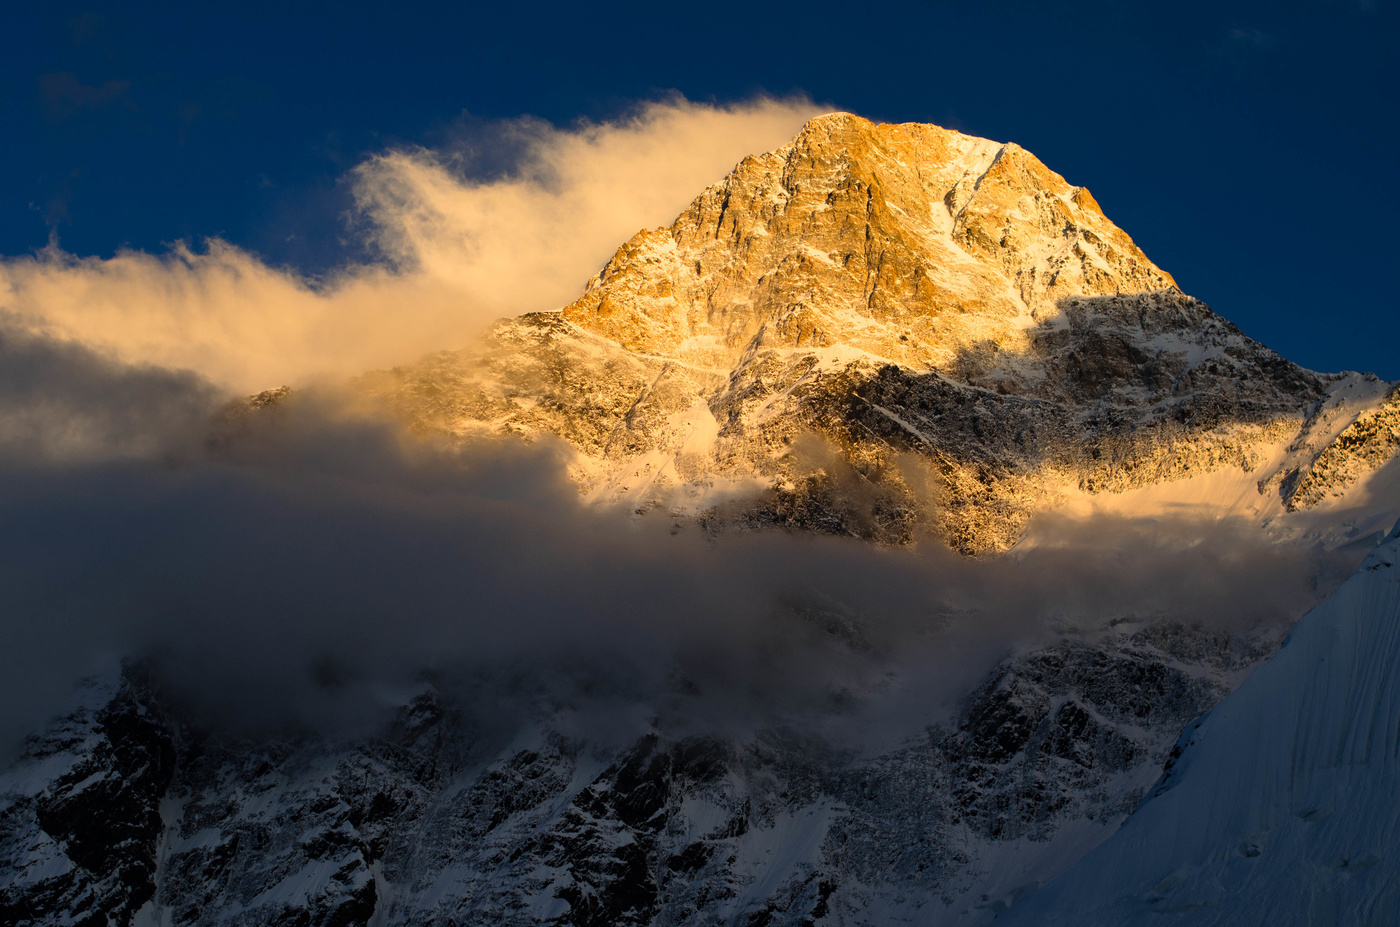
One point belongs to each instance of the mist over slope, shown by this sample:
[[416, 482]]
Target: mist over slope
[[270, 546]]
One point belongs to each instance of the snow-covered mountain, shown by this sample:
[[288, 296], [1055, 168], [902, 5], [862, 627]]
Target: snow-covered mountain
[[896, 333]]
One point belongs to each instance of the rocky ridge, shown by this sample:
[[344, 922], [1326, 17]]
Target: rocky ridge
[[1370, 441]]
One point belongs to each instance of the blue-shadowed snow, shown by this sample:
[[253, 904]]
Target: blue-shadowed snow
[[1282, 805]]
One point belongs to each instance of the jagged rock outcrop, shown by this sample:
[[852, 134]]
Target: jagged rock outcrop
[[81, 826], [1369, 442], [124, 806], [876, 330]]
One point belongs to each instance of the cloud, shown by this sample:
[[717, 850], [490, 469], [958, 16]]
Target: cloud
[[572, 197], [61, 402], [458, 252], [309, 565]]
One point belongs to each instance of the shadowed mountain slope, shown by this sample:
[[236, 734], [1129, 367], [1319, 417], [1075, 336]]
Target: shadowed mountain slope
[[1279, 805]]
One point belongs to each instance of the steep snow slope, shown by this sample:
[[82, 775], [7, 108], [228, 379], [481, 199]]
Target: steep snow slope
[[1280, 805]]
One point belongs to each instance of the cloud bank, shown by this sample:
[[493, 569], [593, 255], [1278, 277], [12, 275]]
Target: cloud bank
[[459, 251]]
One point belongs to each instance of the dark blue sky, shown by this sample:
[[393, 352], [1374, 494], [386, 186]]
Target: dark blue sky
[[1249, 148]]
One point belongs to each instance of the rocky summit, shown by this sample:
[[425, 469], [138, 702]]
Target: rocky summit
[[893, 332]]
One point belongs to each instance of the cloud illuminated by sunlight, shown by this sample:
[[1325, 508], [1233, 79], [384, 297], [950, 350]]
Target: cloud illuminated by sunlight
[[459, 253]]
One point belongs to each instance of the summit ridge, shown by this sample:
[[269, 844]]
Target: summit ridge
[[905, 242]]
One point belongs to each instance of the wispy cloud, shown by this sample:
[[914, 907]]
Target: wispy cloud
[[458, 252]]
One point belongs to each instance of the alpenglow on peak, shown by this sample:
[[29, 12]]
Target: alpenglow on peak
[[909, 242]]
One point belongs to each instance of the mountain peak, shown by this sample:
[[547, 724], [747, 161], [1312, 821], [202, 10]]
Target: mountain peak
[[905, 242], [965, 333]]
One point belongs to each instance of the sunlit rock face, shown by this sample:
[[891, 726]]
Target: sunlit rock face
[[879, 330], [1369, 442], [909, 243]]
